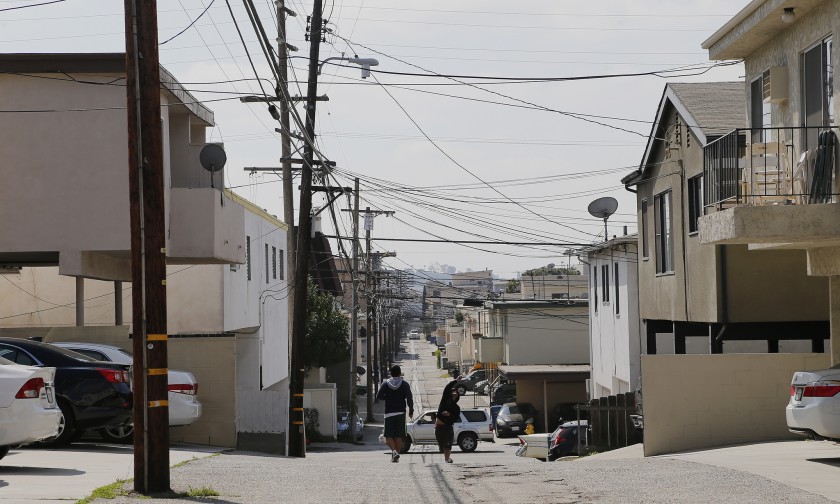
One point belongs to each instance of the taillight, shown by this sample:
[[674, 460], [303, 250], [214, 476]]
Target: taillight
[[824, 389], [792, 391], [559, 439], [114, 375], [31, 389], [521, 441], [491, 427], [184, 388]]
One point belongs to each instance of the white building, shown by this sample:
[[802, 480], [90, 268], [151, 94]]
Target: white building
[[614, 316]]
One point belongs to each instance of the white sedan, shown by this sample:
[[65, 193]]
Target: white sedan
[[814, 407], [184, 407], [28, 411]]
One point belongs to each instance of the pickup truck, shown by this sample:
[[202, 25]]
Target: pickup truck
[[476, 425]]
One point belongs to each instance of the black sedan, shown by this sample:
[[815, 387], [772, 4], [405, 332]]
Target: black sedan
[[91, 394], [513, 419]]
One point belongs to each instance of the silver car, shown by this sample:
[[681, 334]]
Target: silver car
[[814, 407]]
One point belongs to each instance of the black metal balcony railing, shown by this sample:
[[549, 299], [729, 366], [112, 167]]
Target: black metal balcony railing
[[761, 166]]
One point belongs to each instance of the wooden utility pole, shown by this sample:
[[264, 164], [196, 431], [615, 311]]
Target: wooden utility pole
[[297, 439], [148, 248], [286, 139], [354, 312], [368, 318]]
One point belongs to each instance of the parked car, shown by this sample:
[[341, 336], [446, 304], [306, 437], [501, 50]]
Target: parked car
[[343, 425], [475, 425], [513, 418], [28, 411], [482, 387], [468, 382], [814, 407], [184, 407], [494, 412], [414, 334], [503, 394], [91, 394], [564, 439]]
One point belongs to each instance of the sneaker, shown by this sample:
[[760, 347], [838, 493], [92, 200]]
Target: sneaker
[[449, 461], [396, 457]]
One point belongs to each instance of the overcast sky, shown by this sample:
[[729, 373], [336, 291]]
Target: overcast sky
[[515, 162]]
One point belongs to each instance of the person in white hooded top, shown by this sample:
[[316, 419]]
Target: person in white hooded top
[[397, 394]]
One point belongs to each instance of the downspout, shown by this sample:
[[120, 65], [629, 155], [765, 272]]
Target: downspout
[[724, 297], [682, 233], [591, 368]]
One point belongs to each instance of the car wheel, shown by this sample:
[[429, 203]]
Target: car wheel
[[3, 451], [406, 445], [123, 434], [468, 442], [461, 390], [66, 426]]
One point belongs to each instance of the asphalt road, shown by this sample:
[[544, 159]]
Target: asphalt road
[[792, 472]]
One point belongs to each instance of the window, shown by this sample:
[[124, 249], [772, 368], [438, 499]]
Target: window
[[760, 111], [645, 229], [281, 264], [474, 415], [615, 277], [266, 263], [248, 255], [274, 263], [664, 239], [18, 356], [817, 89], [695, 203], [605, 282], [595, 285]]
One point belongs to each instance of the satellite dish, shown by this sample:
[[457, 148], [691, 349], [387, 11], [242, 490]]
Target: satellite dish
[[213, 159], [603, 207], [550, 266]]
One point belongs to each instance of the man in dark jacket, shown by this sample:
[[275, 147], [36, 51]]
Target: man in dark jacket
[[397, 394]]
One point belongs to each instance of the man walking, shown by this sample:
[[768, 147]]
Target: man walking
[[397, 394]]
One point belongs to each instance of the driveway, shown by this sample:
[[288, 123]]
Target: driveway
[[813, 466], [72, 473]]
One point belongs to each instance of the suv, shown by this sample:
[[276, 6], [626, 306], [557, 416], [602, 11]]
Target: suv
[[476, 425]]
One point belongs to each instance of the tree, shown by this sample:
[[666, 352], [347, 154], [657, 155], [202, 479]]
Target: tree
[[546, 271], [512, 286], [327, 330]]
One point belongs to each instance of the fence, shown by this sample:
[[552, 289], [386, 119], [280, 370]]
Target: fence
[[611, 421]]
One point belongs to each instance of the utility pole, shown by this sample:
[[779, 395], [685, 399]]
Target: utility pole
[[286, 143], [368, 317], [297, 440], [148, 248], [354, 312]]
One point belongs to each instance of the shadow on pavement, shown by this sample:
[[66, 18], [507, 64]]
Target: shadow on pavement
[[832, 461], [38, 471]]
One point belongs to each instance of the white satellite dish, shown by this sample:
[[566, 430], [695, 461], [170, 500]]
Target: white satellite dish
[[603, 208]]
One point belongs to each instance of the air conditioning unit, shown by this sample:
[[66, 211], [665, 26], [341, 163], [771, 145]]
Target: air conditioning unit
[[775, 84]]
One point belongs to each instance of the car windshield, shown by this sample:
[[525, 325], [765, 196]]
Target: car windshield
[[515, 409]]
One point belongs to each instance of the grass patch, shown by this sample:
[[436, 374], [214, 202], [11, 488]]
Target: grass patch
[[202, 492], [111, 491]]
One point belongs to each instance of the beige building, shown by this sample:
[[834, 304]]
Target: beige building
[[777, 188], [65, 243], [701, 298]]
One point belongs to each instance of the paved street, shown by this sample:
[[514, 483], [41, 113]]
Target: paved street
[[343, 472]]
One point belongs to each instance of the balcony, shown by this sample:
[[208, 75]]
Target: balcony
[[772, 186], [771, 166]]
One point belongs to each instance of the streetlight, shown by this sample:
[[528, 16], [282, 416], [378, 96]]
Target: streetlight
[[365, 63]]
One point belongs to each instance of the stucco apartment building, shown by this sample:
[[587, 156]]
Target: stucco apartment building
[[65, 243], [700, 298]]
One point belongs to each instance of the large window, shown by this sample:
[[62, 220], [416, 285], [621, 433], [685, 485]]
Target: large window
[[663, 231], [274, 263], [595, 285], [645, 254], [281, 263], [695, 202], [817, 89]]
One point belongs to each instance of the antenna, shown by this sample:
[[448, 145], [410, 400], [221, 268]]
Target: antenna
[[213, 159], [603, 208]]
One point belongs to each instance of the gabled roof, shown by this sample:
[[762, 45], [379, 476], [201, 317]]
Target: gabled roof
[[709, 109]]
